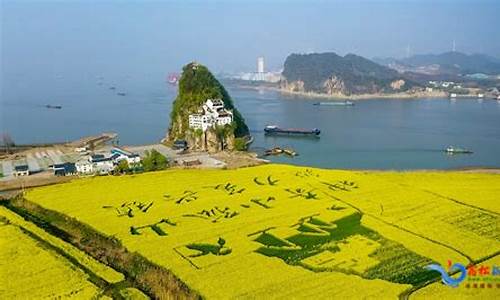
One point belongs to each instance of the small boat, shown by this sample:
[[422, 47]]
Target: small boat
[[453, 95], [121, 94], [279, 150], [173, 78], [290, 152], [53, 106], [274, 151], [455, 150], [480, 96], [275, 130], [335, 103]]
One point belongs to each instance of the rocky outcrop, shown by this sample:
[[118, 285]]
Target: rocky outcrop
[[209, 141], [397, 84], [196, 85], [331, 74], [335, 85], [293, 86]]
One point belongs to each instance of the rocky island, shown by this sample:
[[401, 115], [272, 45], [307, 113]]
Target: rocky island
[[333, 75], [204, 115]]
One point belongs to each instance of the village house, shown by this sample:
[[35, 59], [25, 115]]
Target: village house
[[119, 154], [64, 169], [213, 114], [101, 164], [84, 166], [21, 170], [96, 163]]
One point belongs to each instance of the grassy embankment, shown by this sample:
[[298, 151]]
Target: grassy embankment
[[154, 280]]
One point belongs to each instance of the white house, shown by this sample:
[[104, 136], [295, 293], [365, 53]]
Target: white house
[[224, 118], [119, 154], [213, 114], [84, 166], [22, 170], [96, 163], [81, 149], [102, 164], [213, 105], [198, 121]]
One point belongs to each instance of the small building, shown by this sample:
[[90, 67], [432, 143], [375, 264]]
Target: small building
[[119, 154], [224, 118], [213, 114], [214, 104], [21, 170], [81, 149], [102, 164], [198, 121], [64, 169], [84, 166]]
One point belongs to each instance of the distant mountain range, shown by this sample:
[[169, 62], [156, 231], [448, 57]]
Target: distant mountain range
[[454, 63], [329, 73]]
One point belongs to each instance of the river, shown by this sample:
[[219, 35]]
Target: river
[[373, 134]]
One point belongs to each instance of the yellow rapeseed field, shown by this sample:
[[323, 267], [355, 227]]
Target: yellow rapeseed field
[[278, 231], [103, 271], [28, 271]]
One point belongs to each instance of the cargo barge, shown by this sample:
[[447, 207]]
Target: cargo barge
[[275, 130]]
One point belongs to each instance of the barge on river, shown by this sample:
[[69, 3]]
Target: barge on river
[[275, 130]]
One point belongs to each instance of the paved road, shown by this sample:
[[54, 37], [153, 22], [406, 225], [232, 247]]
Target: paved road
[[158, 147], [171, 154]]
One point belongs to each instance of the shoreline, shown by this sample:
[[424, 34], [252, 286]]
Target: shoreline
[[14, 186], [234, 161], [314, 95]]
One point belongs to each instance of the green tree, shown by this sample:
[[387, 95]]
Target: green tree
[[154, 161], [122, 167], [222, 132], [240, 144]]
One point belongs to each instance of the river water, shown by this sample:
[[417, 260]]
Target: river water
[[375, 133]]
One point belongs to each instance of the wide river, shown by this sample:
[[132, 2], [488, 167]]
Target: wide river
[[373, 134]]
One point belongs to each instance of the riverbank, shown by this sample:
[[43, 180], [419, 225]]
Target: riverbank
[[314, 95]]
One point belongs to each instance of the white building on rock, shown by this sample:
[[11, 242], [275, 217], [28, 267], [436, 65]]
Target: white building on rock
[[213, 114]]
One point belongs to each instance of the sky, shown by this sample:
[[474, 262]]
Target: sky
[[161, 36]]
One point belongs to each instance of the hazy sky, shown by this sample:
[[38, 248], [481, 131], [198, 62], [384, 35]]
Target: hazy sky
[[161, 36]]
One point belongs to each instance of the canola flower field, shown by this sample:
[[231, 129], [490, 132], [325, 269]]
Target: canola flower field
[[29, 271], [278, 231]]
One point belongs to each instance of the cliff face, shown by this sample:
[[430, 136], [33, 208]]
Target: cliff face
[[196, 85], [329, 73]]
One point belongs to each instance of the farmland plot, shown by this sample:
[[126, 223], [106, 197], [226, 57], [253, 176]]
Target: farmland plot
[[28, 271], [284, 231]]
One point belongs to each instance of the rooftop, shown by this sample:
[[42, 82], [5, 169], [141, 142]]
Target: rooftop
[[99, 158], [21, 168], [67, 167]]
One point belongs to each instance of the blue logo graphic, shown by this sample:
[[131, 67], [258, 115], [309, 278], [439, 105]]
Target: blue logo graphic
[[447, 279]]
